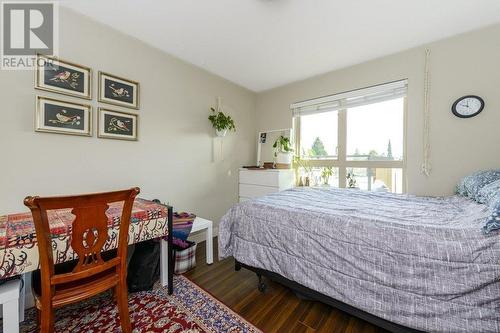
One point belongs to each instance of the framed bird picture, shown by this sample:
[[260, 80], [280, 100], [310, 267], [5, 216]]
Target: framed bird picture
[[118, 91], [57, 116], [117, 125], [59, 76]]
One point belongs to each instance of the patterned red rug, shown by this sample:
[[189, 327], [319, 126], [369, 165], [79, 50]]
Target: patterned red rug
[[191, 309]]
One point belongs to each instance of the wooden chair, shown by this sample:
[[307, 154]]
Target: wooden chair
[[92, 274]]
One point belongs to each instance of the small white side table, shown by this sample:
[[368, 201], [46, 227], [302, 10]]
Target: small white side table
[[199, 224], [9, 298], [204, 224]]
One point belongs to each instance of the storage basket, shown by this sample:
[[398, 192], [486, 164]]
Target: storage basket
[[185, 257]]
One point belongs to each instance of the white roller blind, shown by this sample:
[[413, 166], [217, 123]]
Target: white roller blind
[[351, 99]]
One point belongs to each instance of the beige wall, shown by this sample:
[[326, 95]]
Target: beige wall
[[465, 64], [172, 159]]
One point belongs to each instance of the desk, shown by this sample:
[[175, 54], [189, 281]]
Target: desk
[[19, 249]]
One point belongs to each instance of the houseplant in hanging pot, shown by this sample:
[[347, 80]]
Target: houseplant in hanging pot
[[282, 152], [221, 122]]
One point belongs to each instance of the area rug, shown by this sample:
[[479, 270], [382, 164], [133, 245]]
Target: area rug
[[191, 309]]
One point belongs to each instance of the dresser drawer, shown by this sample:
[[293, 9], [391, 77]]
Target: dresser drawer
[[254, 191], [264, 178]]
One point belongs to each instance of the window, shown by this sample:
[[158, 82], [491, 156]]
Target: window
[[318, 136], [375, 131], [356, 137]]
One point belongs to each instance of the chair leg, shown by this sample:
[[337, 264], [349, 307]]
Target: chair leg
[[38, 319], [46, 319], [122, 300]]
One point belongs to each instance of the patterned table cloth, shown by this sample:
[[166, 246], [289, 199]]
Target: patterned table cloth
[[18, 245]]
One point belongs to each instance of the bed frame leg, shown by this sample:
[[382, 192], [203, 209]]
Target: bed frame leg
[[261, 286]]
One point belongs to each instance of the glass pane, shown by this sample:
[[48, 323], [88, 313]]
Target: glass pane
[[319, 176], [375, 132], [375, 179], [318, 136]]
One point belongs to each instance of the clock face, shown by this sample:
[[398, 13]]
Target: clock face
[[468, 106]]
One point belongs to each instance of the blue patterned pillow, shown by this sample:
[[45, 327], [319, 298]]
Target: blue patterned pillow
[[493, 221], [488, 192], [470, 185]]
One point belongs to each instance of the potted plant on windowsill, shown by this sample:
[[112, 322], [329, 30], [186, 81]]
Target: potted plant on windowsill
[[351, 180], [303, 171], [326, 173], [221, 122], [282, 152]]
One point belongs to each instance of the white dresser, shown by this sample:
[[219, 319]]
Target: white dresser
[[256, 183]]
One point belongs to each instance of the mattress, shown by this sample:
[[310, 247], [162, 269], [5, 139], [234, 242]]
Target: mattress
[[421, 262]]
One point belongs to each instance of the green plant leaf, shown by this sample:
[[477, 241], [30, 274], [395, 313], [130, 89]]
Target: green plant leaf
[[221, 122]]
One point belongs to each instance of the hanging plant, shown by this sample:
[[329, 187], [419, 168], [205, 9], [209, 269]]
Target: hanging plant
[[221, 122]]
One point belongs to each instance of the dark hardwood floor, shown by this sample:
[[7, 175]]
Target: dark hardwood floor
[[275, 310]]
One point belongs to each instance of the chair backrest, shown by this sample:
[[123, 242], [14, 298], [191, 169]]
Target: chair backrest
[[89, 230]]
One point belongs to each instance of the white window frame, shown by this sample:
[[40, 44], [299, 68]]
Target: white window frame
[[341, 162]]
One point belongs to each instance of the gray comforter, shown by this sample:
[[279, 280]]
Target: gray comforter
[[416, 261]]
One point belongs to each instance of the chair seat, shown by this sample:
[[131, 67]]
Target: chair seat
[[71, 292]]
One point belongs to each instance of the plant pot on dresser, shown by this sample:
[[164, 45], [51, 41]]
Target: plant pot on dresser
[[257, 183]]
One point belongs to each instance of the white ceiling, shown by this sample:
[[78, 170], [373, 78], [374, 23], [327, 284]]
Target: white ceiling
[[262, 44]]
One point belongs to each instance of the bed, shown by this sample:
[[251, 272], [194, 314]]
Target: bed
[[403, 262]]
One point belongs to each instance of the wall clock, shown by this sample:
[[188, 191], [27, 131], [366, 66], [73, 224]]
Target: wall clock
[[467, 106]]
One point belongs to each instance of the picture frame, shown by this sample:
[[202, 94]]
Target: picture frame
[[62, 117], [63, 77], [118, 125], [118, 91]]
